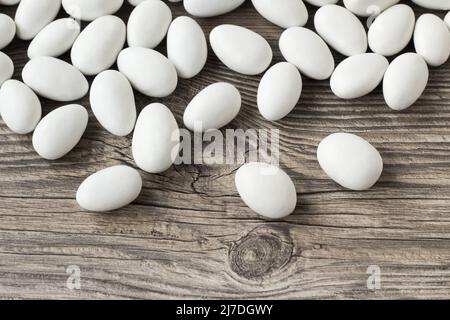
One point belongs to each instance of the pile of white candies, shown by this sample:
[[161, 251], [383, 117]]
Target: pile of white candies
[[348, 159]]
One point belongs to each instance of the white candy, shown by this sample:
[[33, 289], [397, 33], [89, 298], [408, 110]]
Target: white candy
[[148, 71], [447, 19], [6, 68], [358, 75], [55, 39], [32, 16], [9, 2], [308, 52], [432, 39], [214, 107], [392, 30], [405, 80], [60, 131], [367, 8], [186, 47], [241, 49], [19, 107], [210, 8], [156, 139], [283, 13], [279, 91], [350, 161], [266, 189], [89, 10], [433, 4], [109, 189], [341, 29], [148, 24], [112, 102], [7, 30], [320, 3], [54, 79], [98, 45]]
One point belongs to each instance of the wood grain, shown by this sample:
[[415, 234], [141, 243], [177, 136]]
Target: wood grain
[[190, 236]]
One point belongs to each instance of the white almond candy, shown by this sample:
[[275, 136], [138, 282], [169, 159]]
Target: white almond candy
[[279, 91], [109, 189], [321, 3], [283, 13], [98, 45], [432, 39], [7, 30], [405, 81], [9, 2], [148, 24], [214, 107], [156, 139], [55, 39], [241, 49], [358, 75], [308, 52], [148, 71], [210, 8], [32, 16], [112, 102], [368, 8], [341, 29], [55, 79], [60, 131], [433, 4], [350, 161], [447, 19], [392, 30], [266, 189], [186, 47], [19, 107], [6, 68], [89, 10]]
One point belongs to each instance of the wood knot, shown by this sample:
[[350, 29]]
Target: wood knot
[[261, 252]]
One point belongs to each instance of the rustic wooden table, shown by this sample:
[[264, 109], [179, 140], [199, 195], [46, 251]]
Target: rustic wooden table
[[189, 235]]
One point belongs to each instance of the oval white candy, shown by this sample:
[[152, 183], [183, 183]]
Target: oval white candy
[[241, 49], [19, 107], [89, 10], [212, 108], [341, 29], [210, 8], [433, 4], [148, 71], [98, 45], [112, 102], [392, 30], [109, 189], [279, 91], [7, 30], [283, 13], [148, 24], [432, 39], [55, 39], [60, 131], [54, 79], [367, 8], [405, 80], [447, 19], [350, 161], [321, 3], [156, 139], [32, 16], [6, 68], [358, 75], [308, 52], [186, 47], [266, 189]]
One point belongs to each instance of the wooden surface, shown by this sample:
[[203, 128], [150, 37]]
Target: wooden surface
[[189, 235]]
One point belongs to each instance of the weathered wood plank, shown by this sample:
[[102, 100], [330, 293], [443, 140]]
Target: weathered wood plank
[[190, 236]]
